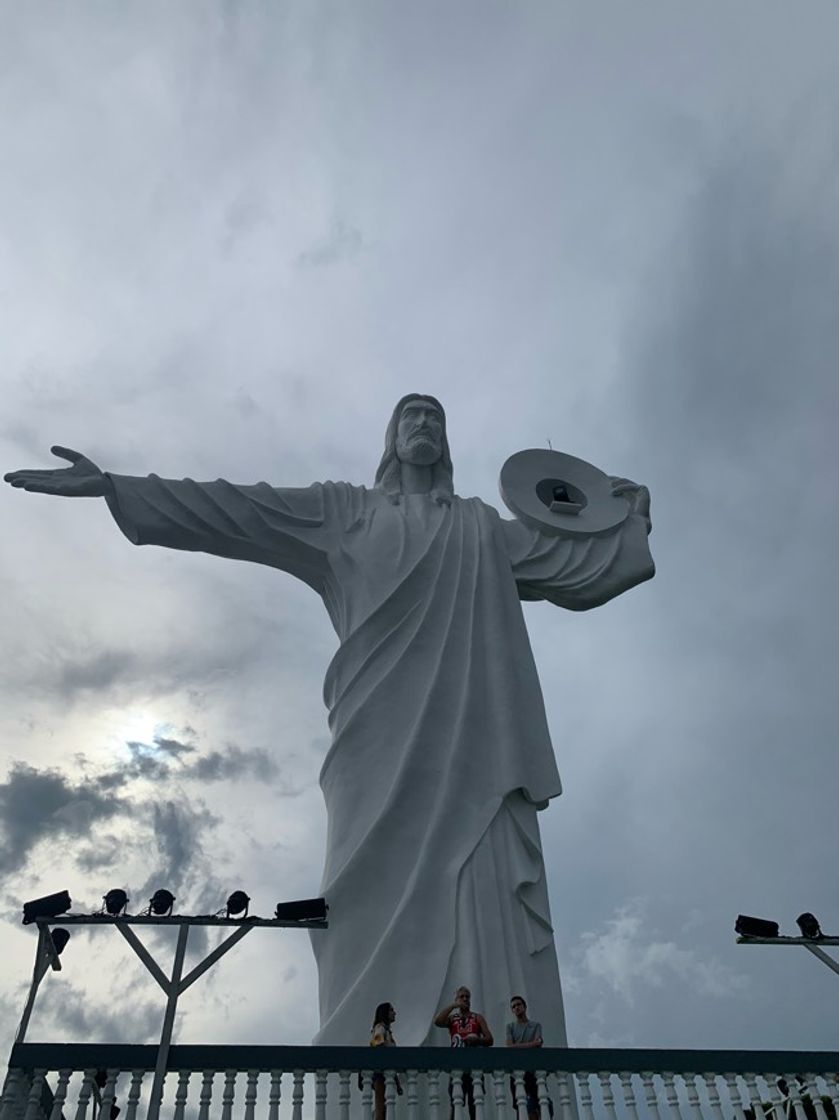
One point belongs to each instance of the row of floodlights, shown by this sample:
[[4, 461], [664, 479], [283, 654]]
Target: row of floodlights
[[761, 927], [160, 905]]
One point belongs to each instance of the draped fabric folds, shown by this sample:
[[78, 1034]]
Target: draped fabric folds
[[440, 753]]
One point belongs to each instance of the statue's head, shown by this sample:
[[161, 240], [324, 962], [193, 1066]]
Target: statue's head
[[416, 434]]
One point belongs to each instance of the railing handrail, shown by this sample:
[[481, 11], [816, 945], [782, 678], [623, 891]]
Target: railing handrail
[[124, 1056]]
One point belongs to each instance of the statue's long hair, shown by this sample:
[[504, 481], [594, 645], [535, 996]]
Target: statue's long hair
[[389, 474]]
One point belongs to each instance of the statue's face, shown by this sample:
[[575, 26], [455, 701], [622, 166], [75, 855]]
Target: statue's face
[[419, 434]]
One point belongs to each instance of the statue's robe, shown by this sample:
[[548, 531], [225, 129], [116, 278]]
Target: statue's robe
[[440, 754]]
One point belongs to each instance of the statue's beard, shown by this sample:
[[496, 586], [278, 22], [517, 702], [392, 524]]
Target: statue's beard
[[421, 450]]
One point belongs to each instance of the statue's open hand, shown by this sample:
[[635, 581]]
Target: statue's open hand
[[83, 480], [638, 496]]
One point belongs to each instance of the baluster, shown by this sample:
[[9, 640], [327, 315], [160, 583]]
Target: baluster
[[206, 1098], [499, 1085], [735, 1095], [367, 1095], [478, 1093], [795, 1096], [714, 1098], [274, 1094], [628, 1094], [651, 1095], [750, 1081], [520, 1095], [320, 1094], [832, 1084], [566, 1098], [343, 1095], [228, 1094], [133, 1095], [390, 1092], [33, 1097], [250, 1094], [411, 1093], [10, 1099], [779, 1104], [297, 1095], [180, 1095], [60, 1094], [84, 1093], [433, 1085], [694, 1103], [671, 1096], [811, 1087], [605, 1080], [542, 1095], [109, 1093], [456, 1089], [586, 1105]]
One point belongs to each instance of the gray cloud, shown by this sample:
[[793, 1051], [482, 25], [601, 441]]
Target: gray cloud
[[87, 1018], [343, 243], [161, 761], [233, 764], [41, 805]]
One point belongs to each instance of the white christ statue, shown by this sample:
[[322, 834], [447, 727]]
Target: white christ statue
[[440, 756]]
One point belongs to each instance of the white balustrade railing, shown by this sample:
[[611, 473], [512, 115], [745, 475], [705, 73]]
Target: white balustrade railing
[[92, 1082]]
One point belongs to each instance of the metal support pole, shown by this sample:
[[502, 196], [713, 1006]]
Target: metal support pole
[[807, 942], [168, 1024], [43, 958]]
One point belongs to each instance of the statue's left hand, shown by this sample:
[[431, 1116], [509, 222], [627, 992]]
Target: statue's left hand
[[638, 496]]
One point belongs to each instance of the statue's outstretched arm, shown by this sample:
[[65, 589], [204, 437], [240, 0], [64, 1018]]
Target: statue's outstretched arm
[[83, 480]]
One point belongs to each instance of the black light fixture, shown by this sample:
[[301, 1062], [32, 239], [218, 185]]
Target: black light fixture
[[238, 903], [755, 927], [303, 910], [115, 902], [809, 926], [161, 903], [60, 937], [50, 906]]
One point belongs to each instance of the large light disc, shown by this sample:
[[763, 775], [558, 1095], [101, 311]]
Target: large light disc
[[584, 507]]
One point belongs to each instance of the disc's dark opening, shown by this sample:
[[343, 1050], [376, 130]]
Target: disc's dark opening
[[556, 493]]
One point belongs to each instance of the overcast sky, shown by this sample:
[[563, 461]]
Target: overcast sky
[[232, 235]]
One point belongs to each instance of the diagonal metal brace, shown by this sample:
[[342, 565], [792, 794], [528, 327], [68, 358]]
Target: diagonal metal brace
[[144, 955], [823, 956], [212, 957]]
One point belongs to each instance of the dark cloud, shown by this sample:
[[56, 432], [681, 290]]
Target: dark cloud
[[737, 367], [173, 747], [179, 830], [233, 764], [105, 853], [38, 805], [96, 673]]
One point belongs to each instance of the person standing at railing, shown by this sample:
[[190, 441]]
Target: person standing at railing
[[466, 1028], [382, 1035], [525, 1034]]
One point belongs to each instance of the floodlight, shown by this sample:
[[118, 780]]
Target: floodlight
[[755, 927], [115, 901], [809, 926], [60, 937], [50, 906], [304, 910], [238, 904], [161, 903]]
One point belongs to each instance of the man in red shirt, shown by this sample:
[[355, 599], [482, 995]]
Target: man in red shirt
[[466, 1028]]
